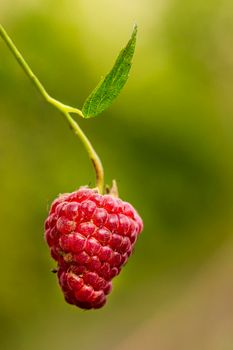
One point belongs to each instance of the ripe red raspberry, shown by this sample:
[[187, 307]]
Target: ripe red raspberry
[[91, 236]]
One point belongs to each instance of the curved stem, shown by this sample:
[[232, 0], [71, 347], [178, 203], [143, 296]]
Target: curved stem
[[64, 109], [90, 150]]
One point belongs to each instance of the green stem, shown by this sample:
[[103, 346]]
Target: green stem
[[91, 152], [64, 109]]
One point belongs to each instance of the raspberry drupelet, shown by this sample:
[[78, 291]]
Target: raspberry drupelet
[[91, 236]]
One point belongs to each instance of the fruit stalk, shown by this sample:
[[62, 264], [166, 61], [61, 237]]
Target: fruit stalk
[[64, 109]]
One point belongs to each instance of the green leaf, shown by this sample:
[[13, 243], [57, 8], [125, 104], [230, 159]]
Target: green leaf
[[110, 86]]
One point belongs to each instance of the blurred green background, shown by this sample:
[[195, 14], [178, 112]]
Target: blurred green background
[[167, 140]]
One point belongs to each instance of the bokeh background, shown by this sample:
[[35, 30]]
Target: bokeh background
[[168, 142]]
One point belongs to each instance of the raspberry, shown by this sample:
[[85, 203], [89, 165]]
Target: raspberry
[[91, 236]]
